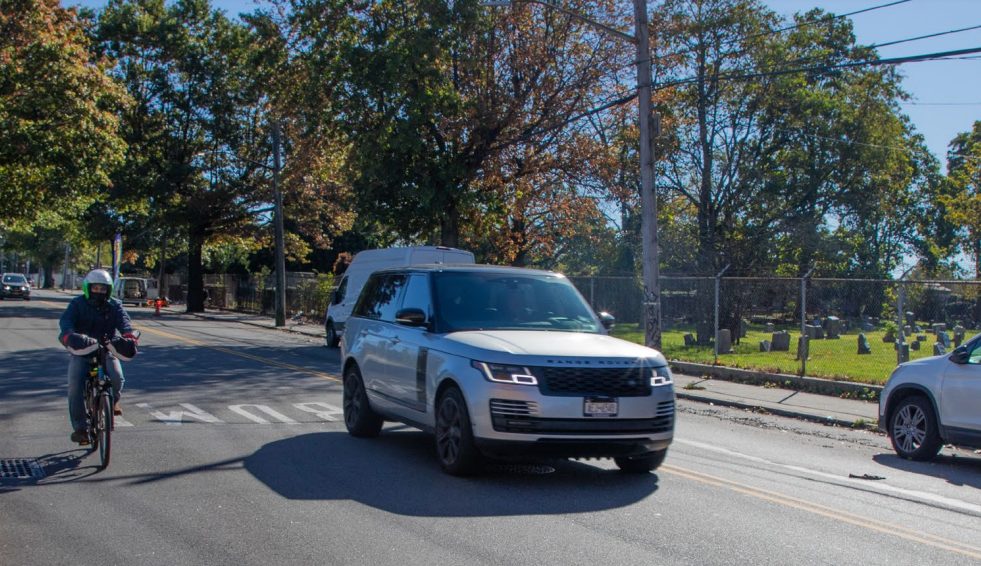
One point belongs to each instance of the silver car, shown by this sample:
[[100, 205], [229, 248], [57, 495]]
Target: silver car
[[502, 362], [934, 401]]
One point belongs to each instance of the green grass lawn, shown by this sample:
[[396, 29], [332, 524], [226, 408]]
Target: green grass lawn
[[834, 359]]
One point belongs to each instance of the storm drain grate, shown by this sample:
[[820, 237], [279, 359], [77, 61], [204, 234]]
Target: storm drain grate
[[20, 469]]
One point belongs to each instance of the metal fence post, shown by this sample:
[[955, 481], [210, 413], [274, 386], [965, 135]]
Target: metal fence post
[[718, 282], [803, 321]]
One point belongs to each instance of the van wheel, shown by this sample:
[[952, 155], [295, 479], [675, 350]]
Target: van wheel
[[331, 339]]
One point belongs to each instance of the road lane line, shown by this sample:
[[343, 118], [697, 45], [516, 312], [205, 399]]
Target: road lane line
[[879, 488], [828, 512], [267, 361]]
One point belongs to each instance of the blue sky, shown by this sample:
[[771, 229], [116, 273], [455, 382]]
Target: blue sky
[[946, 94]]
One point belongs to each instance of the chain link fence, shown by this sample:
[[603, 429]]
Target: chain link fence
[[853, 329]]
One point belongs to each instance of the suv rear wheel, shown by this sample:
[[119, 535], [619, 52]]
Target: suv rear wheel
[[359, 418], [455, 447], [913, 429]]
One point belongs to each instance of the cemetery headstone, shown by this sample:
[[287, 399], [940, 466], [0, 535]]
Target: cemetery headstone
[[944, 339], [938, 349], [764, 345], [769, 327], [725, 341], [833, 326], [939, 327], [689, 339], [811, 331], [921, 337], [914, 345], [890, 336], [863, 345], [958, 335], [780, 342]]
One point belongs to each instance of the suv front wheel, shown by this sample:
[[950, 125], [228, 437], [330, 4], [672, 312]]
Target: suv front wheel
[[455, 447], [641, 464], [913, 429]]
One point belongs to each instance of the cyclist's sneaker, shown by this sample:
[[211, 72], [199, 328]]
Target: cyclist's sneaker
[[117, 409], [81, 437]]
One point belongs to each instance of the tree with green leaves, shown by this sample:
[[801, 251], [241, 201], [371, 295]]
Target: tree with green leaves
[[196, 118], [455, 110], [964, 204], [59, 139]]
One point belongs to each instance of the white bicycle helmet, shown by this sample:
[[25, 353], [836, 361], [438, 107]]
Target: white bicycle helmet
[[97, 276]]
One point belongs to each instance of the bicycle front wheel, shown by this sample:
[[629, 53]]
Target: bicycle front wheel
[[103, 429]]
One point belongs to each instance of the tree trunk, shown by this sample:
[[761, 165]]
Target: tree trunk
[[48, 269], [449, 227], [195, 277]]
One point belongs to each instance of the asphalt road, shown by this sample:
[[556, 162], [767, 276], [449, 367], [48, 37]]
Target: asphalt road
[[232, 450]]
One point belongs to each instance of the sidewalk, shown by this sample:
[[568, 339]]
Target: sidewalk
[[827, 409]]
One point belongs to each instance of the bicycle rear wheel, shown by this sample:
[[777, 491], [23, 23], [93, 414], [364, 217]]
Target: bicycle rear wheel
[[103, 428]]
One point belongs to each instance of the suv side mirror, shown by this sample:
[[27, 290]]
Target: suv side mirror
[[959, 355], [411, 317], [607, 320]]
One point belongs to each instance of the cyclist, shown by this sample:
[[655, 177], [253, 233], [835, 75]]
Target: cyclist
[[92, 317]]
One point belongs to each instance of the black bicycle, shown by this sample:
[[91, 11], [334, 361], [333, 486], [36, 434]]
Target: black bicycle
[[98, 404]]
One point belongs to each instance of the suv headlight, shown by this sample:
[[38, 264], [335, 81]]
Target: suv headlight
[[661, 376], [502, 373]]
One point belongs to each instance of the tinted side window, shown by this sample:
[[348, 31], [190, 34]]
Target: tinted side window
[[381, 295], [417, 293], [341, 290]]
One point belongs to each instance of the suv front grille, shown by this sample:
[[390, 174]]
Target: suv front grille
[[606, 382]]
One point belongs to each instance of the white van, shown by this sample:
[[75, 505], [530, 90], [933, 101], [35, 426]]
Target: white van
[[135, 290], [369, 261]]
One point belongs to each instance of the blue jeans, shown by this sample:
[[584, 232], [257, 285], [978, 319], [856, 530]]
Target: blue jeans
[[78, 372]]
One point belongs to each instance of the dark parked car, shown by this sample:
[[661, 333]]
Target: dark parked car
[[15, 285]]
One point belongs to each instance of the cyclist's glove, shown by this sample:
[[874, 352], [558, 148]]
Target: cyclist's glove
[[80, 344], [123, 348]]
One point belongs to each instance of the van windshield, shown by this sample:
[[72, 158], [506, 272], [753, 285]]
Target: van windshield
[[509, 301]]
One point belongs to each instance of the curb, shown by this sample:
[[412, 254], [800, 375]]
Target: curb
[[759, 408], [841, 389]]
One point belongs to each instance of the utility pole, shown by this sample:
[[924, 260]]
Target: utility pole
[[648, 200], [280, 237], [648, 130]]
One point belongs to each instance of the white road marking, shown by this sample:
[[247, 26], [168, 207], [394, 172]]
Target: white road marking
[[864, 484], [176, 418], [240, 410], [325, 411]]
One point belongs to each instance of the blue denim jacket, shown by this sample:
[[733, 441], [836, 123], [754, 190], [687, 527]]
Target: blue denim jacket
[[104, 322]]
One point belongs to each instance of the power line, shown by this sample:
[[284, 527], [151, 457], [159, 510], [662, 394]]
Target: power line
[[948, 32], [788, 28], [825, 68]]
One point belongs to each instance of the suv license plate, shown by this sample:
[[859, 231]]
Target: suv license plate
[[600, 407]]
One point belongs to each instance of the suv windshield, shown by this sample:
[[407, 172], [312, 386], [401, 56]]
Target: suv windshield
[[14, 280], [508, 301]]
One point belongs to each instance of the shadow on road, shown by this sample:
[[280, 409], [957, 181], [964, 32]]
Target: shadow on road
[[397, 472], [956, 470]]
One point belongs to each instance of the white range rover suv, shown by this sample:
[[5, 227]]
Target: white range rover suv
[[502, 363], [934, 401]]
